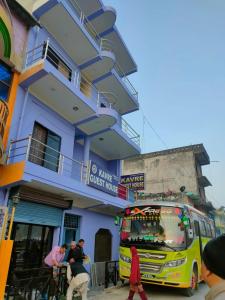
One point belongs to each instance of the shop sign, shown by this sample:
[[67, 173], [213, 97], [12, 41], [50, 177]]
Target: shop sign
[[134, 182], [102, 179]]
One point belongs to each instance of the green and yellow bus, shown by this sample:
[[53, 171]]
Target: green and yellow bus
[[169, 238]]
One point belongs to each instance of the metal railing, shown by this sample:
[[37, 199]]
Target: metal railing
[[130, 132], [107, 99], [127, 82], [111, 272], [36, 282], [34, 151], [103, 43], [4, 112], [46, 51], [43, 155]]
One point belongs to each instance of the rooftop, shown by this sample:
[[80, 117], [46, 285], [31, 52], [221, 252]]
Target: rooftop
[[198, 149]]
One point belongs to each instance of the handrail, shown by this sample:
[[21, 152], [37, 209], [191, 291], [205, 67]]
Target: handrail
[[125, 79], [47, 51], [4, 112], [106, 45], [108, 99], [84, 20], [35, 151], [103, 43], [131, 133]]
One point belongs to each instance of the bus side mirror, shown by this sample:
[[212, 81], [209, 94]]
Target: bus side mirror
[[190, 233]]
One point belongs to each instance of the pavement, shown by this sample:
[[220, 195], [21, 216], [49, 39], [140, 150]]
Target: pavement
[[153, 292]]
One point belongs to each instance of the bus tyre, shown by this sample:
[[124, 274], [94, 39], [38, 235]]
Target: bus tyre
[[189, 292]]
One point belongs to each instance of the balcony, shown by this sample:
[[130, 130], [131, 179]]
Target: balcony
[[39, 166], [77, 36], [130, 132], [118, 83], [119, 142], [103, 19], [51, 78], [4, 112], [203, 181]]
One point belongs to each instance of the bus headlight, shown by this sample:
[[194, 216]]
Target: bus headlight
[[125, 258], [175, 263]]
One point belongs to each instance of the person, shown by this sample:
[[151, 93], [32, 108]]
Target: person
[[53, 260], [213, 268], [78, 279], [160, 235], [70, 258], [135, 277], [56, 256], [78, 253]]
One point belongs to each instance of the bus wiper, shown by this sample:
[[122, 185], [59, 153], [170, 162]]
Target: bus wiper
[[162, 243]]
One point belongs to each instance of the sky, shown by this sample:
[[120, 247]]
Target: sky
[[179, 47]]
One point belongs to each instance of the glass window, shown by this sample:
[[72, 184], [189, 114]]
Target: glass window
[[58, 63], [45, 147], [31, 244], [202, 228], [208, 230], [5, 81], [163, 226]]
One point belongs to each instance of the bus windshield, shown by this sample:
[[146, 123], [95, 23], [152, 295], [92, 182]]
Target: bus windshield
[[159, 225]]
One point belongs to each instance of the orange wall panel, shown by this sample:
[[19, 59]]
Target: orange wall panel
[[11, 173]]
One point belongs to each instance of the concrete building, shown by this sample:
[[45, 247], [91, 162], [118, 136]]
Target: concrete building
[[219, 217], [65, 105], [169, 170]]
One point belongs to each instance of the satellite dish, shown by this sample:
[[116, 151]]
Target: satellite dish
[[182, 188]]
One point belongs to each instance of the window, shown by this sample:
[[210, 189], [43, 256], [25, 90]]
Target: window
[[202, 228], [57, 62], [208, 230], [71, 228], [71, 221], [5, 81], [31, 244], [45, 147]]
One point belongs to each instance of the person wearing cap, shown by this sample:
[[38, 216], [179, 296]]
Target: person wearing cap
[[213, 268]]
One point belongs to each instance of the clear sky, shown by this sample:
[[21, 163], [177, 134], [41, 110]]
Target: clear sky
[[179, 47]]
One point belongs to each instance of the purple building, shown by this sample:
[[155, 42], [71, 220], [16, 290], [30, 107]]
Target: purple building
[[68, 135]]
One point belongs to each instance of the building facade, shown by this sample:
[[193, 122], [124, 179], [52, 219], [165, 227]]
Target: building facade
[[67, 134], [172, 173], [219, 217]]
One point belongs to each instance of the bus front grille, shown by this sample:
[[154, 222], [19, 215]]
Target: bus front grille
[[149, 255], [150, 267]]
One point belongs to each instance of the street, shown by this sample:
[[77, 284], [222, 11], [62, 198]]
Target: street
[[153, 292]]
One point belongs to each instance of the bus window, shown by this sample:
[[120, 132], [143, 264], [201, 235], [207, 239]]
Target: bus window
[[208, 230], [196, 225], [213, 230], [202, 228]]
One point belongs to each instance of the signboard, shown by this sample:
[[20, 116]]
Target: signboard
[[134, 182], [102, 179], [122, 192]]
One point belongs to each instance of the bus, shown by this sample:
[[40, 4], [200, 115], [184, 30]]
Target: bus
[[169, 238]]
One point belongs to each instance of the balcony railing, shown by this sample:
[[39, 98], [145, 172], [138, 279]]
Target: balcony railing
[[127, 82], [38, 153], [46, 51], [32, 150], [130, 132], [4, 112]]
